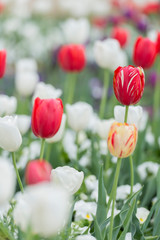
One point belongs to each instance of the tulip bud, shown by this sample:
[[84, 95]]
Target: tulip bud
[[10, 137], [128, 84], [122, 139], [72, 58], [144, 52], [2, 62], [46, 117], [121, 35], [37, 171]]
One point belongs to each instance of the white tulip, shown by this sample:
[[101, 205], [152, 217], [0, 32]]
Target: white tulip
[[7, 181], [101, 7], [68, 177], [8, 105], [85, 237], [10, 137], [76, 31], [58, 136], [44, 208], [142, 214], [46, 91], [108, 54], [23, 122], [26, 65], [84, 210], [134, 115], [78, 115], [26, 83], [103, 127]]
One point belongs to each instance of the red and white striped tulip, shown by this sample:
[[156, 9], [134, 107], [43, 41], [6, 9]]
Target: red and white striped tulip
[[128, 84]]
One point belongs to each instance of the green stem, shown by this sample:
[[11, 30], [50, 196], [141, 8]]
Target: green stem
[[119, 160], [17, 173], [104, 94], [42, 148], [71, 87], [126, 114], [132, 174], [130, 158]]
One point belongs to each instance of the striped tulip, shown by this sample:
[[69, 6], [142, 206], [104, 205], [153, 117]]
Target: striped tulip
[[122, 139], [128, 84]]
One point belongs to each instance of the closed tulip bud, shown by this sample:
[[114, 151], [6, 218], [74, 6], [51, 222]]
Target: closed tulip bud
[[37, 171], [121, 34], [128, 84], [46, 117], [2, 62], [10, 137], [122, 139], [144, 52], [72, 58]]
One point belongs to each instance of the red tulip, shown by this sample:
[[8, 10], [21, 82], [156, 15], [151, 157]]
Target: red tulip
[[2, 62], [72, 58], [128, 84], [121, 34], [46, 117], [37, 171], [144, 52]]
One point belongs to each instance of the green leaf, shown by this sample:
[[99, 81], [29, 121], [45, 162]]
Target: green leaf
[[145, 224], [158, 183], [149, 191], [97, 229], [101, 205]]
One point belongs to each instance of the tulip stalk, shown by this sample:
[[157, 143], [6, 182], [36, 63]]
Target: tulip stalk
[[130, 157], [42, 148], [71, 83], [113, 195], [104, 94], [17, 173]]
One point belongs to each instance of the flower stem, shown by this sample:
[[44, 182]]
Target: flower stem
[[130, 157], [17, 173], [104, 94], [126, 114], [42, 148], [71, 87], [132, 174], [119, 160]]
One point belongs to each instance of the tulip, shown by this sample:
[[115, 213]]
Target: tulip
[[128, 84], [158, 42], [26, 65], [67, 177], [72, 58], [8, 105], [37, 171], [121, 34], [7, 181], [108, 54], [76, 31], [46, 91], [58, 136], [44, 208], [26, 83], [2, 62], [122, 139], [46, 117], [23, 123], [78, 115], [10, 137], [144, 52]]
